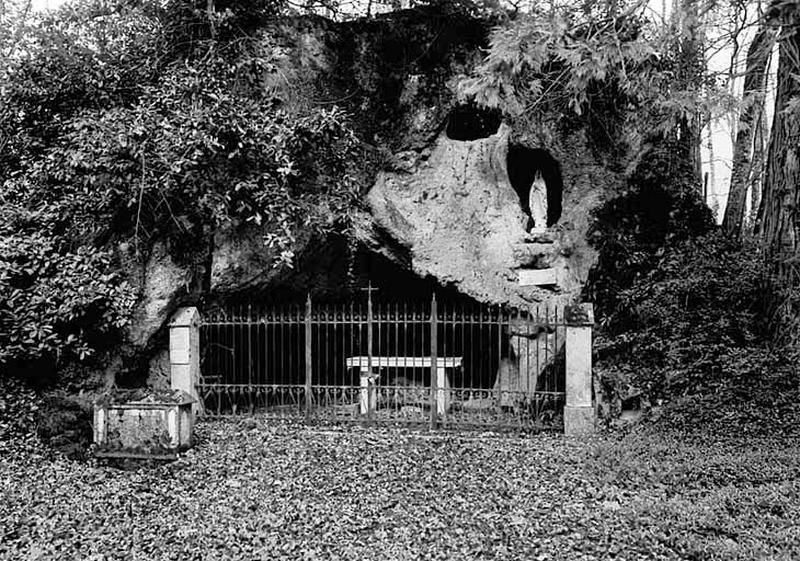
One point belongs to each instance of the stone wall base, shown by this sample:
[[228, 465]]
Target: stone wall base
[[578, 420]]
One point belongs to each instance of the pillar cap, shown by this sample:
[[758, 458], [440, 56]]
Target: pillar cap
[[186, 317], [579, 314]]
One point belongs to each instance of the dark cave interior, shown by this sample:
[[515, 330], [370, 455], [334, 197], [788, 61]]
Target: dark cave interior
[[468, 122], [523, 163]]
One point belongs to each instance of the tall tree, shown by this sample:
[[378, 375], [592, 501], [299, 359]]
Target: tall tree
[[689, 26], [752, 105], [755, 184], [780, 216]]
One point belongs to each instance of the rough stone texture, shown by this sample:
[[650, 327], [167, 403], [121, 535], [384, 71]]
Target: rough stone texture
[[444, 209], [455, 216], [463, 224], [148, 427], [240, 258], [579, 420], [532, 351], [159, 371], [163, 279], [508, 380]]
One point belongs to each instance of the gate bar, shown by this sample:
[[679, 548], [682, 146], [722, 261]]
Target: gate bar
[[308, 358], [434, 370]]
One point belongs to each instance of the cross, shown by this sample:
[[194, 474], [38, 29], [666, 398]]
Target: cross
[[369, 290]]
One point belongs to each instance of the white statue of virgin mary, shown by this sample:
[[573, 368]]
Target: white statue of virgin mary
[[537, 199]]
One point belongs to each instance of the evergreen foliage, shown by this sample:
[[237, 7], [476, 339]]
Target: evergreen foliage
[[693, 324], [602, 66], [660, 208], [146, 121], [122, 124], [683, 309]]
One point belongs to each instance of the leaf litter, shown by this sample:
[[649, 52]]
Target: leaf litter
[[255, 490]]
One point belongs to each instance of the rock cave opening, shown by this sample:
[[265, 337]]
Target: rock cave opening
[[524, 166], [266, 341], [469, 122]]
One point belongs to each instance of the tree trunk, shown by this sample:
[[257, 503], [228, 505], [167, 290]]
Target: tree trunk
[[690, 27], [781, 194], [753, 102], [757, 169]]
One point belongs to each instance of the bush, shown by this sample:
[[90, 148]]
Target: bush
[[65, 424], [19, 405], [684, 312], [692, 332], [149, 144], [660, 209], [56, 304], [684, 321]]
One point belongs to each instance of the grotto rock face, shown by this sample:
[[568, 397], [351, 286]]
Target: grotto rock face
[[446, 209], [163, 280], [455, 217], [463, 224], [532, 350], [241, 259]]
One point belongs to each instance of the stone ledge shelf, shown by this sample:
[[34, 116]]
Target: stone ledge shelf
[[535, 256], [537, 277], [143, 424], [540, 237]]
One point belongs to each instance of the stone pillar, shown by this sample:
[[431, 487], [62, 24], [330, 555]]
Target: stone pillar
[[184, 353], [579, 412]]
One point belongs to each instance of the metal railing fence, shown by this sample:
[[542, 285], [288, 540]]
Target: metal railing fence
[[369, 360]]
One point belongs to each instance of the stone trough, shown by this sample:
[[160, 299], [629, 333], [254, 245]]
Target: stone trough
[[143, 424]]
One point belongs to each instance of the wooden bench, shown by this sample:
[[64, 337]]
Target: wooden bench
[[368, 395]]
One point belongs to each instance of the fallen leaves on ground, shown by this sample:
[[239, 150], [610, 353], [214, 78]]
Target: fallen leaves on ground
[[255, 490]]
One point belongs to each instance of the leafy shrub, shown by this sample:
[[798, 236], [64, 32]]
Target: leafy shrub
[[631, 232], [111, 136], [693, 324], [18, 409], [682, 309], [190, 154], [56, 303], [65, 424]]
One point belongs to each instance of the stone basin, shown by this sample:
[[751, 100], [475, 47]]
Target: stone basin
[[143, 424]]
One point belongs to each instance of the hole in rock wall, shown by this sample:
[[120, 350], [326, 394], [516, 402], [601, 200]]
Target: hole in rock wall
[[468, 122], [524, 166]]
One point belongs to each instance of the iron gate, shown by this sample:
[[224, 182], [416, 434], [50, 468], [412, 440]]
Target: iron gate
[[435, 363]]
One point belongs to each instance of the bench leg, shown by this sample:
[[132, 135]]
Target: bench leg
[[442, 392], [368, 395]]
